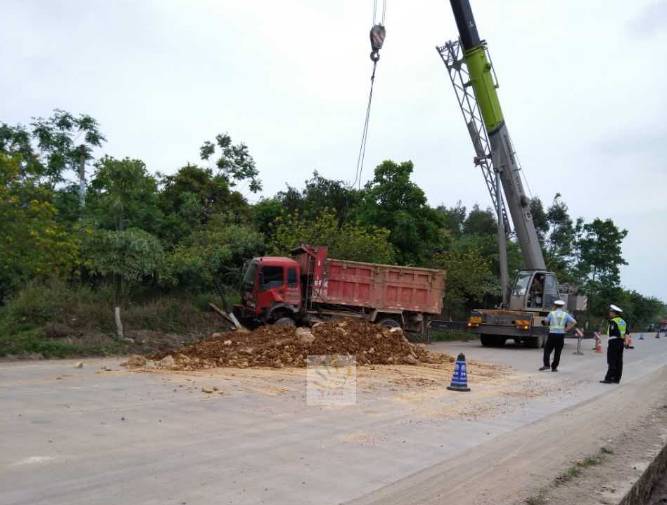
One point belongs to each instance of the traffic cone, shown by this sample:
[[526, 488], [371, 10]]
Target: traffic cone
[[460, 377], [598, 343]]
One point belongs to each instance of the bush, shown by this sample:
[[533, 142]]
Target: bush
[[55, 319]]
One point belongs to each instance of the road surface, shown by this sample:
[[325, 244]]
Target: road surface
[[101, 434]]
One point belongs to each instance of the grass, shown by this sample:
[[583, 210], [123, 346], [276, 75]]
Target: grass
[[576, 469], [538, 499], [56, 320], [450, 335], [572, 472]]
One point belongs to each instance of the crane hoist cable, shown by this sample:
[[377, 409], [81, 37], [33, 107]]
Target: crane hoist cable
[[377, 35]]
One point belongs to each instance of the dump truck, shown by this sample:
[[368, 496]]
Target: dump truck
[[310, 286]]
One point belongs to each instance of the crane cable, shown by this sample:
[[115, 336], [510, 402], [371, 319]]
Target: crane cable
[[377, 35]]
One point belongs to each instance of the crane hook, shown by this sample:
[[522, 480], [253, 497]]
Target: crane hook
[[377, 35]]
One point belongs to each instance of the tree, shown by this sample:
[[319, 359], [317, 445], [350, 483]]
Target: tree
[[124, 256], [266, 215], [539, 219], [560, 252], [192, 196], [321, 194], [62, 142], [480, 222], [393, 202], [350, 241], [600, 255], [469, 281], [34, 244], [122, 195], [453, 218], [67, 142], [234, 163], [212, 258]]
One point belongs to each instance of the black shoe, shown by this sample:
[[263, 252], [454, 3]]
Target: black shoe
[[544, 369], [554, 369], [606, 382]]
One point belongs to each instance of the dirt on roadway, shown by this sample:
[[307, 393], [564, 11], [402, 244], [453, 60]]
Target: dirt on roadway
[[279, 346]]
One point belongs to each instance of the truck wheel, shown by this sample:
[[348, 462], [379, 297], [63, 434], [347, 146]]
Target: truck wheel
[[492, 340], [285, 321], [389, 322]]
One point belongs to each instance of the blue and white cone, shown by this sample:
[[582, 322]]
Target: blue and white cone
[[460, 377]]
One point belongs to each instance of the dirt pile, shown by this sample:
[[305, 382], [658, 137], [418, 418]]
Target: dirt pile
[[279, 346]]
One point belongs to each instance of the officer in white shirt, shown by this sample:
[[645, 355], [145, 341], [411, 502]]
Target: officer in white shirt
[[560, 322]]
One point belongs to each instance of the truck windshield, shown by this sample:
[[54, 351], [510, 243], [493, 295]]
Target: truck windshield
[[249, 276], [272, 277], [521, 284]]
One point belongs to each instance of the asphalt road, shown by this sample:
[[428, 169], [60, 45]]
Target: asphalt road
[[91, 436]]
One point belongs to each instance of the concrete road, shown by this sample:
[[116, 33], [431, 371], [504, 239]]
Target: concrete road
[[93, 436]]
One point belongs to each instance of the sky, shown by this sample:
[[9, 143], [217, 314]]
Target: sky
[[582, 86]]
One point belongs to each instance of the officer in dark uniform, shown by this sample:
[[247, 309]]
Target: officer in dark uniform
[[618, 329]]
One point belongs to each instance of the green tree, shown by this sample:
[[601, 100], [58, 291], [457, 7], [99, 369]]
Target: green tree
[[266, 214], [480, 222], [123, 195], [539, 219], [124, 256], [212, 258], [34, 244], [453, 218], [600, 254], [234, 162], [469, 282], [192, 196], [392, 201], [350, 241], [53, 146]]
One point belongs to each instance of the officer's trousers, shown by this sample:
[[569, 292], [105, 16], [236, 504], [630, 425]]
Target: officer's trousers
[[614, 360], [554, 342]]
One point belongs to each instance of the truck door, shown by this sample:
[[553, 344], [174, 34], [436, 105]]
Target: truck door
[[278, 285], [293, 291], [550, 290], [520, 290]]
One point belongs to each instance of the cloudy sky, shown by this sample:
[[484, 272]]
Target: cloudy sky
[[582, 84]]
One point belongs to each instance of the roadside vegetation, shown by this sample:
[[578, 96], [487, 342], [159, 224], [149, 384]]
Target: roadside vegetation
[[142, 253]]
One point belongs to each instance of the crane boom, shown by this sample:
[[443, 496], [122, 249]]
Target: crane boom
[[481, 79]]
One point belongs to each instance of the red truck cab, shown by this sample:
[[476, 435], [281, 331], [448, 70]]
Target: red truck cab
[[271, 289]]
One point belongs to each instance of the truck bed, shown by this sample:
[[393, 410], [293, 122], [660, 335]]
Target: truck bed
[[380, 287]]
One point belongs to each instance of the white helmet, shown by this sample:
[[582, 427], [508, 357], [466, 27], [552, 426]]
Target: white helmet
[[559, 303], [616, 308]]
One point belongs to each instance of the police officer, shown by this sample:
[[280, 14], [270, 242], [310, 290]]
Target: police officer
[[559, 322], [617, 331]]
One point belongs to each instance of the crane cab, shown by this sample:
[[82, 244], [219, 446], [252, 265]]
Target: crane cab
[[534, 290]]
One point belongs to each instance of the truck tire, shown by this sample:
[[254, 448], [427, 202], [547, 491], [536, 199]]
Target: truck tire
[[389, 322], [492, 340], [285, 321]]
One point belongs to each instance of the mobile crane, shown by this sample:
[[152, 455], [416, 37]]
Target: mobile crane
[[528, 301]]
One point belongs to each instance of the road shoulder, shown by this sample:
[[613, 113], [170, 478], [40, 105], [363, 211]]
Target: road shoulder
[[519, 465]]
